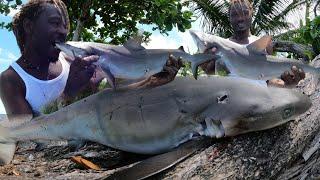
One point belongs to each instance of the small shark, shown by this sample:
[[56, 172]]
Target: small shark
[[130, 61], [248, 61], [151, 121]]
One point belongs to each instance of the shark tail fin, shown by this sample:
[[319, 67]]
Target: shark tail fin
[[199, 59], [7, 147]]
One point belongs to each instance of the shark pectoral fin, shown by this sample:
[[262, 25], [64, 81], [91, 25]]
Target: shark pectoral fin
[[110, 78], [260, 45], [214, 128], [7, 151], [7, 147]]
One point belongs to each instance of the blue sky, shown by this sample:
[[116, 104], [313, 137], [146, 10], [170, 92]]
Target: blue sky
[[9, 50]]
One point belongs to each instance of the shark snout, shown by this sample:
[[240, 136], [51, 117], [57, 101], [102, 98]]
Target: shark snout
[[303, 104], [292, 103]]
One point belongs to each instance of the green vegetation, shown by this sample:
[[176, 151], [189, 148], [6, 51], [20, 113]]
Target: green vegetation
[[268, 16], [115, 21]]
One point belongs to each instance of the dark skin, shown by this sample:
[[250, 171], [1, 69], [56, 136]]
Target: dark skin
[[40, 59], [240, 17]]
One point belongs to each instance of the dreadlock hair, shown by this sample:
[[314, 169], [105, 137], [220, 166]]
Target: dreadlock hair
[[31, 10], [241, 3]]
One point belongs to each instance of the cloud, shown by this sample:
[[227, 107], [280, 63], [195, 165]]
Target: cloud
[[13, 11], [174, 40], [6, 58], [11, 56], [159, 41]]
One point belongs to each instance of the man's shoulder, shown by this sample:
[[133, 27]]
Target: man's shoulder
[[10, 78], [8, 75]]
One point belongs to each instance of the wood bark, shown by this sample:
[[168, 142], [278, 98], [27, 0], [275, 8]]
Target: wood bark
[[85, 12], [288, 46]]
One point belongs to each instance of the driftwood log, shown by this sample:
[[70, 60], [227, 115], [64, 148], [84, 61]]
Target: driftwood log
[[289, 46]]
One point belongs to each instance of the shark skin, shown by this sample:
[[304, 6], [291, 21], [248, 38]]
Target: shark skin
[[130, 61], [152, 121], [248, 61]]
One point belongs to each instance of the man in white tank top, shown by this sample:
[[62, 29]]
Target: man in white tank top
[[40, 75], [240, 16]]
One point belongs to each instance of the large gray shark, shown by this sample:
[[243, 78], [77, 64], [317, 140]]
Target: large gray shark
[[130, 61], [248, 61], [150, 121]]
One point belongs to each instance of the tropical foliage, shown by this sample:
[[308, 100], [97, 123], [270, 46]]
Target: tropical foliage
[[308, 34], [269, 15], [113, 20], [5, 8]]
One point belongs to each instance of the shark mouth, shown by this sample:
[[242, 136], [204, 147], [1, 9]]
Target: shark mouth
[[212, 128]]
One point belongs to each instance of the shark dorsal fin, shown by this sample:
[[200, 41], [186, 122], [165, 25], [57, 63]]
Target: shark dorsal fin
[[181, 48], [134, 42], [260, 45]]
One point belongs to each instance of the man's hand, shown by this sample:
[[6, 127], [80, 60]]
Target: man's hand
[[288, 78], [168, 74], [81, 71], [209, 66]]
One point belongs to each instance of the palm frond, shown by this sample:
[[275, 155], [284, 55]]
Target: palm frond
[[214, 15], [269, 15]]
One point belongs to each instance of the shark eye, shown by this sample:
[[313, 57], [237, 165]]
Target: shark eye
[[288, 112]]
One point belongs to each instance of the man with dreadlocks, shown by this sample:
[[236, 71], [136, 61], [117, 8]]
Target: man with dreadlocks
[[41, 74], [240, 17]]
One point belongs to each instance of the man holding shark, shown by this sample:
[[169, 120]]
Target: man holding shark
[[41, 75], [240, 16]]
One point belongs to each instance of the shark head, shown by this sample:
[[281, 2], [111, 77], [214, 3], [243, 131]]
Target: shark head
[[205, 41], [256, 114], [249, 106], [72, 51]]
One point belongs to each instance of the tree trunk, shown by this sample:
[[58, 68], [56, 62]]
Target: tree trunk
[[77, 32], [315, 8], [84, 15]]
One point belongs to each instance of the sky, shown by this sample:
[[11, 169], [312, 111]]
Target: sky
[[9, 50]]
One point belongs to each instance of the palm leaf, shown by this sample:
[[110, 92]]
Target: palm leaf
[[269, 15]]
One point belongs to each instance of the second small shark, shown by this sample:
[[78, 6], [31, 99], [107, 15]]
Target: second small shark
[[130, 61], [248, 61]]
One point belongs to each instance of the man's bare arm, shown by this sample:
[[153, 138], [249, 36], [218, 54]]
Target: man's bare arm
[[13, 96]]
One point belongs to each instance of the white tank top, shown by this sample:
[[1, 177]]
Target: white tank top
[[40, 93]]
